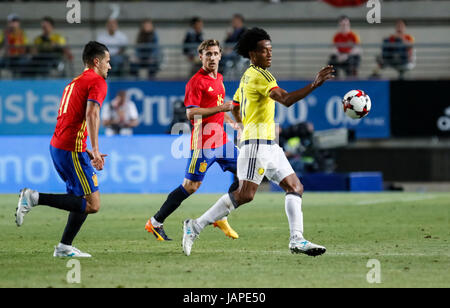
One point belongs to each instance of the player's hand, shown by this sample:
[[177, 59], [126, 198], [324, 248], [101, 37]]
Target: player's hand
[[228, 106], [97, 160], [323, 75], [237, 127]]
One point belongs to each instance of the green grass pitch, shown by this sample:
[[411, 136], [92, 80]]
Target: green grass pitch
[[408, 233]]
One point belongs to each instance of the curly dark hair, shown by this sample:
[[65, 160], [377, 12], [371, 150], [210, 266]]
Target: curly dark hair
[[249, 41]]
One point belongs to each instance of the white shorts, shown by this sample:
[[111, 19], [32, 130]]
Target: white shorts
[[257, 160]]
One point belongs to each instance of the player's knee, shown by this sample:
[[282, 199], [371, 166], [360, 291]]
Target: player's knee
[[92, 208], [245, 197], [191, 187], [296, 188], [299, 189]]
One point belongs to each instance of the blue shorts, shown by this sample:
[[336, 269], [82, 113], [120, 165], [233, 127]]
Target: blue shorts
[[200, 161], [76, 170]]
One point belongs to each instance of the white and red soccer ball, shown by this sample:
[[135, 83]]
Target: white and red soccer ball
[[356, 104]]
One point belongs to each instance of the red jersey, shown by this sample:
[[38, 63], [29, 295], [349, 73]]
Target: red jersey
[[406, 38], [203, 91], [349, 38], [71, 129]]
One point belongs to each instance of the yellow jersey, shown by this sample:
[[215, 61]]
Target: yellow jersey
[[52, 43], [257, 108]]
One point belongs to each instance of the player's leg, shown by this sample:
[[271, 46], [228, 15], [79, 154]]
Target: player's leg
[[222, 208], [249, 165], [196, 168], [29, 199], [227, 203], [228, 162], [173, 201], [284, 175], [69, 166], [76, 220], [73, 226], [85, 183]]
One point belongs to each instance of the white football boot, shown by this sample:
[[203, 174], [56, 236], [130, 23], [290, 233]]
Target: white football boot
[[189, 236], [300, 245], [24, 205], [69, 251]]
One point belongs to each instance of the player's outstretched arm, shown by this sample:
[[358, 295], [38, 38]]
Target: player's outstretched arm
[[289, 98], [93, 125]]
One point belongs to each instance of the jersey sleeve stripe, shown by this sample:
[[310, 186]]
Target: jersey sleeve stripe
[[93, 100], [273, 88], [236, 103], [192, 106]]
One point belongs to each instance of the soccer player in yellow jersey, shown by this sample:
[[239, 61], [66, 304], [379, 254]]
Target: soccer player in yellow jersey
[[259, 155]]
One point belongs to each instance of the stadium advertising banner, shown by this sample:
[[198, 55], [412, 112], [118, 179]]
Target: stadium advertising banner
[[137, 164], [30, 107], [323, 107]]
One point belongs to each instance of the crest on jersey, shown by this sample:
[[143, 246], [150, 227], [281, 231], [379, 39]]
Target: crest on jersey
[[95, 180], [261, 171], [203, 166]]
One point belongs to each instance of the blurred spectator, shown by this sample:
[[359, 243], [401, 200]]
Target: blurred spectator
[[397, 52], [148, 53], [230, 59], [180, 118], [13, 41], [297, 143], [116, 41], [120, 116], [49, 50], [192, 39], [346, 54]]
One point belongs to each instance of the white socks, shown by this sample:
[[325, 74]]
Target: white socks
[[293, 206], [217, 212], [35, 197], [64, 247]]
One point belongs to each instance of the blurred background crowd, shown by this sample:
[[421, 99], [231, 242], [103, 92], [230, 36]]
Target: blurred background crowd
[[157, 47]]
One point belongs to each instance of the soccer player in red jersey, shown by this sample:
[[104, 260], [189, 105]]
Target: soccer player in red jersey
[[78, 117], [205, 107]]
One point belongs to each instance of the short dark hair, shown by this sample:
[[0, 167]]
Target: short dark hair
[[49, 20], [93, 50], [240, 16], [195, 20], [342, 17], [249, 41]]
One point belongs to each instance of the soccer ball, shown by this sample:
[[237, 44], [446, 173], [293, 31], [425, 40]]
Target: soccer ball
[[356, 104]]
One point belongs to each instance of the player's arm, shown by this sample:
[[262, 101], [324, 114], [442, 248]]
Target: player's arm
[[235, 124], [236, 112], [192, 112], [93, 125], [289, 98]]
